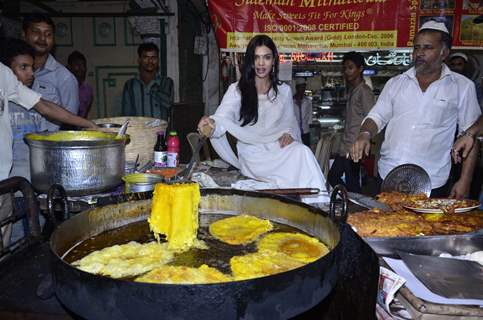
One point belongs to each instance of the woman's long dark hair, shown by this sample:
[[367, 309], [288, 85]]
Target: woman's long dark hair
[[249, 96]]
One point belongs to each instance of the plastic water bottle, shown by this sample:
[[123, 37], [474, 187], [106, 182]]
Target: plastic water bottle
[[160, 151], [173, 149]]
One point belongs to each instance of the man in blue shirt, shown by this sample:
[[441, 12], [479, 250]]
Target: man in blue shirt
[[149, 94], [52, 80]]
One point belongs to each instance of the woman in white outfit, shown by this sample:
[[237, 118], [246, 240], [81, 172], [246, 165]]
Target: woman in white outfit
[[258, 111]]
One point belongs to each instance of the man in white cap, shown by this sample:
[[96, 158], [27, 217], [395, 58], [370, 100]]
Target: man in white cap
[[420, 110], [458, 62], [303, 110]]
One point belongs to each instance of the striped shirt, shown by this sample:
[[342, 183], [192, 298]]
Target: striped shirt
[[152, 100]]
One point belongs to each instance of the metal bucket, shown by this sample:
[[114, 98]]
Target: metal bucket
[[83, 162]]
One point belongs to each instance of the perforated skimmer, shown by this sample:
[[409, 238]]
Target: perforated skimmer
[[407, 178]]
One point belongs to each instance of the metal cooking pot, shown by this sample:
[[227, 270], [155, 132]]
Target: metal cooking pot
[[278, 296], [83, 162]]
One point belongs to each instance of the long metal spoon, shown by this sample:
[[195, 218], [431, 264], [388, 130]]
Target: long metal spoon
[[122, 130], [205, 132], [189, 168]]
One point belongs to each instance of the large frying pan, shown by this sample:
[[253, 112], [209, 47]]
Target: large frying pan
[[278, 296]]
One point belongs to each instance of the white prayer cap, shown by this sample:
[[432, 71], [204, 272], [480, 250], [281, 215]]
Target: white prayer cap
[[459, 55], [434, 25]]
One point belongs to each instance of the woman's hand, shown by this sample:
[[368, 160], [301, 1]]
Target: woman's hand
[[285, 140], [206, 126]]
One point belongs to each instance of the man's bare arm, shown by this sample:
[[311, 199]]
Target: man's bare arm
[[461, 188], [363, 143], [477, 128], [55, 112], [464, 143]]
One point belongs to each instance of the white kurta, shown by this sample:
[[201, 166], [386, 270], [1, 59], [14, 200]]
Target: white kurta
[[420, 126], [11, 90], [260, 156]]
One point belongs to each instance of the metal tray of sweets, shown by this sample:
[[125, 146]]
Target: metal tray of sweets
[[428, 245]]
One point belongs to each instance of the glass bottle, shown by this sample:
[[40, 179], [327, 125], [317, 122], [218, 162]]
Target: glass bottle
[[160, 151], [173, 149]]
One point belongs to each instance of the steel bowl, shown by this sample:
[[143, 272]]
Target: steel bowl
[[141, 182], [109, 125], [83, 162]]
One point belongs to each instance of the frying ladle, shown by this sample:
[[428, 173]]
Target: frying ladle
[[205, 132]]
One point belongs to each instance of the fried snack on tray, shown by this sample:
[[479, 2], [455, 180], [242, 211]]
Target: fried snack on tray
[[397, 200], [406, 223], [400, 223], [455, 223], [445, 205]]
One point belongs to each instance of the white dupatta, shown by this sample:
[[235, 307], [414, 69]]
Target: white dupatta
[[276, 117]]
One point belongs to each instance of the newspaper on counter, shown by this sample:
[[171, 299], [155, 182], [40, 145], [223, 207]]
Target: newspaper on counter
[[204, 180], [389, 284]]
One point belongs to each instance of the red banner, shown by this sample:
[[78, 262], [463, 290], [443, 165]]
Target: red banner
[[318, 25]]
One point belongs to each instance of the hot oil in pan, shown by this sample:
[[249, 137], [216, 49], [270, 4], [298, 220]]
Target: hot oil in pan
[[218, 255]]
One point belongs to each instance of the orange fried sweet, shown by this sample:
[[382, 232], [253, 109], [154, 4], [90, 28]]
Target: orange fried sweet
[[397, 200], [402, 222]]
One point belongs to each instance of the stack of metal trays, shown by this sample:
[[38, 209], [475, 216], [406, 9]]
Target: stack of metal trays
[[428, 245], [432, 246]]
